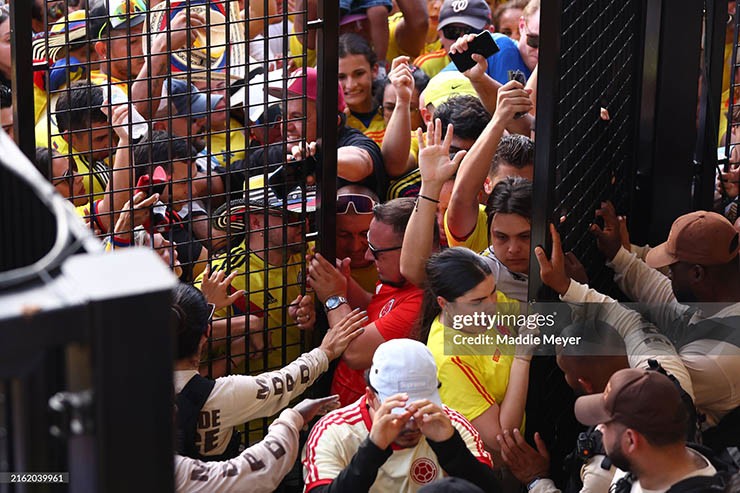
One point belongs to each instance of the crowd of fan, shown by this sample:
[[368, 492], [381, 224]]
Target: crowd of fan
[[158, 144]]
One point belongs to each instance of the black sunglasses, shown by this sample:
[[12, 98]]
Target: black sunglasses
[[377, 251], [454, 32], [533, 40]]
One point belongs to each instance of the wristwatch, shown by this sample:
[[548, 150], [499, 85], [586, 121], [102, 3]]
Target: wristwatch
[[334, 302], [532, 483]]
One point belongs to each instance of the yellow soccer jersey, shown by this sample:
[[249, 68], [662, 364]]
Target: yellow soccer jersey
[[478, 239], [366, 277], [394, 50], [334, 440], [95, 176], [237, 149], [433, 63], [295, 53], [376, 129], [269, 288], [471, 383]]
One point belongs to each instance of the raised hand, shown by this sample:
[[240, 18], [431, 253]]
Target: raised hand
[[552, 270], [402, 79], [481, 63], [435, 165], [609, 239], [386, 425], [215, 288], [433, 422], [302, 310], [524, 462], [337, 338], [310, 408], [325, 279], [512, 98], [139, 211]]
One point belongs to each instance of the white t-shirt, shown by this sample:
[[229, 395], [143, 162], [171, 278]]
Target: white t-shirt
[[513, 284]]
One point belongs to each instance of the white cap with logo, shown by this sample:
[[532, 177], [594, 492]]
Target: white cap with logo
[[404, 366]]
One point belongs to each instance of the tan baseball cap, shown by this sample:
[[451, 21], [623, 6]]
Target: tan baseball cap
[[701, 237]]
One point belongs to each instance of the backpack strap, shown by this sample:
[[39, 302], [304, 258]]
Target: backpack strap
[[190, 401], [702, 484]]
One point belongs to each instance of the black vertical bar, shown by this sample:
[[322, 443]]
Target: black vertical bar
[[22, 78], [123, 369], [546, 131], [328, 61], [709, 106]]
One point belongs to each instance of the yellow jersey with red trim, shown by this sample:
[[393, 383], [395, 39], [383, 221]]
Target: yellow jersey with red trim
[[269, 289], [334, 440], [471, 382], [394, 50], [233, 137], [478, 239], [433, 63], [375, 130]]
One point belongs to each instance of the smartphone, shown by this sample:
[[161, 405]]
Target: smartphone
[[518, 76], [483, 45], [152, 184]]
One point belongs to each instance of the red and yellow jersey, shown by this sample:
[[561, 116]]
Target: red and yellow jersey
[[433, 63], [394, 50], [334, 440], [269, 288], [376, 129], [394, 312], [478, 239], [366, 277], [471, 383]]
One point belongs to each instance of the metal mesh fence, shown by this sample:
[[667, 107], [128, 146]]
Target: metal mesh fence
[[728, 197], [595, 118], [182, 125]]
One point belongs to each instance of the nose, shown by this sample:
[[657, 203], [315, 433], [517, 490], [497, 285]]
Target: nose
[[369, 255], [359, 244]]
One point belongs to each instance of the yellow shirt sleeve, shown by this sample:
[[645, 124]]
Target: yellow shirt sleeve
[[478, 239]]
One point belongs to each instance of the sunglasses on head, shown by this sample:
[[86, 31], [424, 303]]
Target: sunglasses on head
[[454, 32], [362, 204]]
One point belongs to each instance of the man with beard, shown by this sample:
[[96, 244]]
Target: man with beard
[[702, 256], [643, 421], [398, 436], [392, 308]]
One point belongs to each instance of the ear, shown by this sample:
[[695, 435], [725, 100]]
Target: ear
[[488, 185], [631, 441], [587, 386], [522, 25], [697, 274], [441, 302], [375, 71], [371, 398], [426, 115], [101, 49]]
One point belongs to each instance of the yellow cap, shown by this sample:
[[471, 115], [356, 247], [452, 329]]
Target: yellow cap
[[445, 85]]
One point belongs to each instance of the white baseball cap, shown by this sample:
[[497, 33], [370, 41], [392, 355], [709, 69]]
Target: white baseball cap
[[404, 366]]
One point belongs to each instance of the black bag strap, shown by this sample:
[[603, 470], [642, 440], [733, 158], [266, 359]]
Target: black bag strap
[[702, 484], [190, 401]]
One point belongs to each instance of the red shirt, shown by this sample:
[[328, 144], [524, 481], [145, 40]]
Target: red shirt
[[394, 312]]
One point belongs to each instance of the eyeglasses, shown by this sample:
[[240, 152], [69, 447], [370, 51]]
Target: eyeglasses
[[361, 204], [377, 251], [211, 311], [68, 176], [454, 32]]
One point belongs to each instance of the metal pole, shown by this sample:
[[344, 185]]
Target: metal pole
[[22, 79]]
